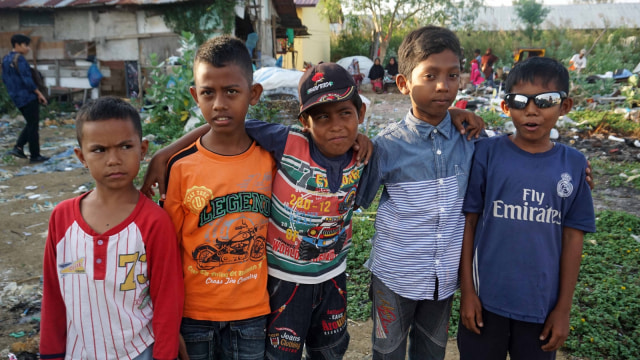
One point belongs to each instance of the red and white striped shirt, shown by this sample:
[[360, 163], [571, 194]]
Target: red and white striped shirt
[[97, 286]]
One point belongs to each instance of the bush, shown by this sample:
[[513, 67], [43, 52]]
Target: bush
[[168, 98]]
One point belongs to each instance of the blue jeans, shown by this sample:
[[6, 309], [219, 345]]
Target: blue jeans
[[147, 354], [426, 322], [233, 340], [309, 316]]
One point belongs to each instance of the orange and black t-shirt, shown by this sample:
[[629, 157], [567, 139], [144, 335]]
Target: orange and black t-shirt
[[220, 208]]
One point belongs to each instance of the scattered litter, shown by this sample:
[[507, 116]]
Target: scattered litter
[[12, 356], [18, 334], [34, 196], [554, 135], [31, 187], [26, 233], [615, 138], [631, 178], [636, 238], [34, 225], [81, 189]]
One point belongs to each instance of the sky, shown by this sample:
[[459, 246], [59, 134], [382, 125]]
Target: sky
[[545, 2]]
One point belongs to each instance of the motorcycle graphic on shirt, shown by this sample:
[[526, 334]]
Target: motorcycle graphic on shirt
[[241, 247]]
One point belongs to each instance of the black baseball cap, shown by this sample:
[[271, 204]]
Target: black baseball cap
[[325, 83]]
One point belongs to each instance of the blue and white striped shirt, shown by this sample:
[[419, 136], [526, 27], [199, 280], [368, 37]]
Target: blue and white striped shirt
[[419, 225]]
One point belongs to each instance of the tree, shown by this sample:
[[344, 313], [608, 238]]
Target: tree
[[388, 15], [532, 15]]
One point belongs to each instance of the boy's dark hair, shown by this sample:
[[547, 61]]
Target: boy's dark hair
[[20, 39], [106, 108], [423, 42], [224, 50], [537, 69], [476, 51], [325, 83]]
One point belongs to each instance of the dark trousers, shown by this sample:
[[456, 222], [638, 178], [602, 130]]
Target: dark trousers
[[29, 134]]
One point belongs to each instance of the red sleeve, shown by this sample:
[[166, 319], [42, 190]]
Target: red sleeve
[[53, 321], [165, 281]]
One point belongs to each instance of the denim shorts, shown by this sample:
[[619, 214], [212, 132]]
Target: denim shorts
[[238, 340], [426, 322], [307, 316]]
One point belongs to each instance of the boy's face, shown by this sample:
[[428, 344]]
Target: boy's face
[[111, 150], [533, 124], [22, 48], [223, 94], [333, 126], [433, 86]]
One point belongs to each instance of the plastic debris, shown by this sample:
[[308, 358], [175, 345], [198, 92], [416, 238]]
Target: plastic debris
[[615, 138]]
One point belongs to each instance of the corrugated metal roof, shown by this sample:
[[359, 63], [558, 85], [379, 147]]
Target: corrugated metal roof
[[305, 3], [56, 4], [580, 16]]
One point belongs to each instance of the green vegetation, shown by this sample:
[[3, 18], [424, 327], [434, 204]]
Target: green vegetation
[[617, 174]]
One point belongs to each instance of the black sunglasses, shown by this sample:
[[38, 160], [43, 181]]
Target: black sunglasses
[[543, 100]]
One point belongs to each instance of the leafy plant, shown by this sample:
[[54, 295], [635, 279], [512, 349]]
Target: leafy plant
[[606, 122], [169, 100], [203, 20]]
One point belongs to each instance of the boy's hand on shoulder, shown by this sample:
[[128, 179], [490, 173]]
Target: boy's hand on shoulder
[[155, 175], [556, 326], [471, 311], [364, 148], [589, 176], [475, 124]]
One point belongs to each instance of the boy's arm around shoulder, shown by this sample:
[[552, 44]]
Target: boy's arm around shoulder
[[53, 322], [156, 171], [166, 286], [470, 305], [270, 136], [370, 180], [557, 323], [475, 124]]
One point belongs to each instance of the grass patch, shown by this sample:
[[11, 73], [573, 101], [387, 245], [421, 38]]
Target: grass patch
[[606, 304], [610, 174], [606, 122]]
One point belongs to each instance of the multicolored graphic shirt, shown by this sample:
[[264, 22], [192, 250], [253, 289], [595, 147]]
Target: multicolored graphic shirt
[[524, 201], [111, 295], [221, 217], [310, 225]]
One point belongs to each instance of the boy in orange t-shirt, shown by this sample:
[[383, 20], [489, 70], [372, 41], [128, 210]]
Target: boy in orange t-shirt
[[221, 215]]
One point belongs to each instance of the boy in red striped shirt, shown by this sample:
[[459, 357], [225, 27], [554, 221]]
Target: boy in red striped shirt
[[111, 257]]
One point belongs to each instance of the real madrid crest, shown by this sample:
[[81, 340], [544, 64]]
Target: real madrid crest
[[564, 187]]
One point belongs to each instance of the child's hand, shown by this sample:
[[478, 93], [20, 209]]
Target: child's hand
[[475, 124], [364, 147], [155, 175], [182, 350], [557, 324], [471, 311], [589, 177]]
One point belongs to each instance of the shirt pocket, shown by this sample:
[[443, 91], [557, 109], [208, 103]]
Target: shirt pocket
[[462, 177]]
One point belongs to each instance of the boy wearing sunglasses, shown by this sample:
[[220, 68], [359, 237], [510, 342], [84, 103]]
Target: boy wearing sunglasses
[[527, 207]]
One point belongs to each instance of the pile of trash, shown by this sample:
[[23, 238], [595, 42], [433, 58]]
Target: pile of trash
[[20, 302]]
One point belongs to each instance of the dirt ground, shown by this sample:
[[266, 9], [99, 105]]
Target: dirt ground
[[28, 194]]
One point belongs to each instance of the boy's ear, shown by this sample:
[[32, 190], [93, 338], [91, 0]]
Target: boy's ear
[[402, 83], [362, 112], [505, 108], [194, 93], [304, 121], [80, 156], [144, 146], [566, 106], [256, 91]]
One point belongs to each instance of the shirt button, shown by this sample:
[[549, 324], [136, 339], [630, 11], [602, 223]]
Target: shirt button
[[99, 242], [439, 236], [439, 152], [440, 181], [435, 131], [438, 262], [441, 209], [99, 261]]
